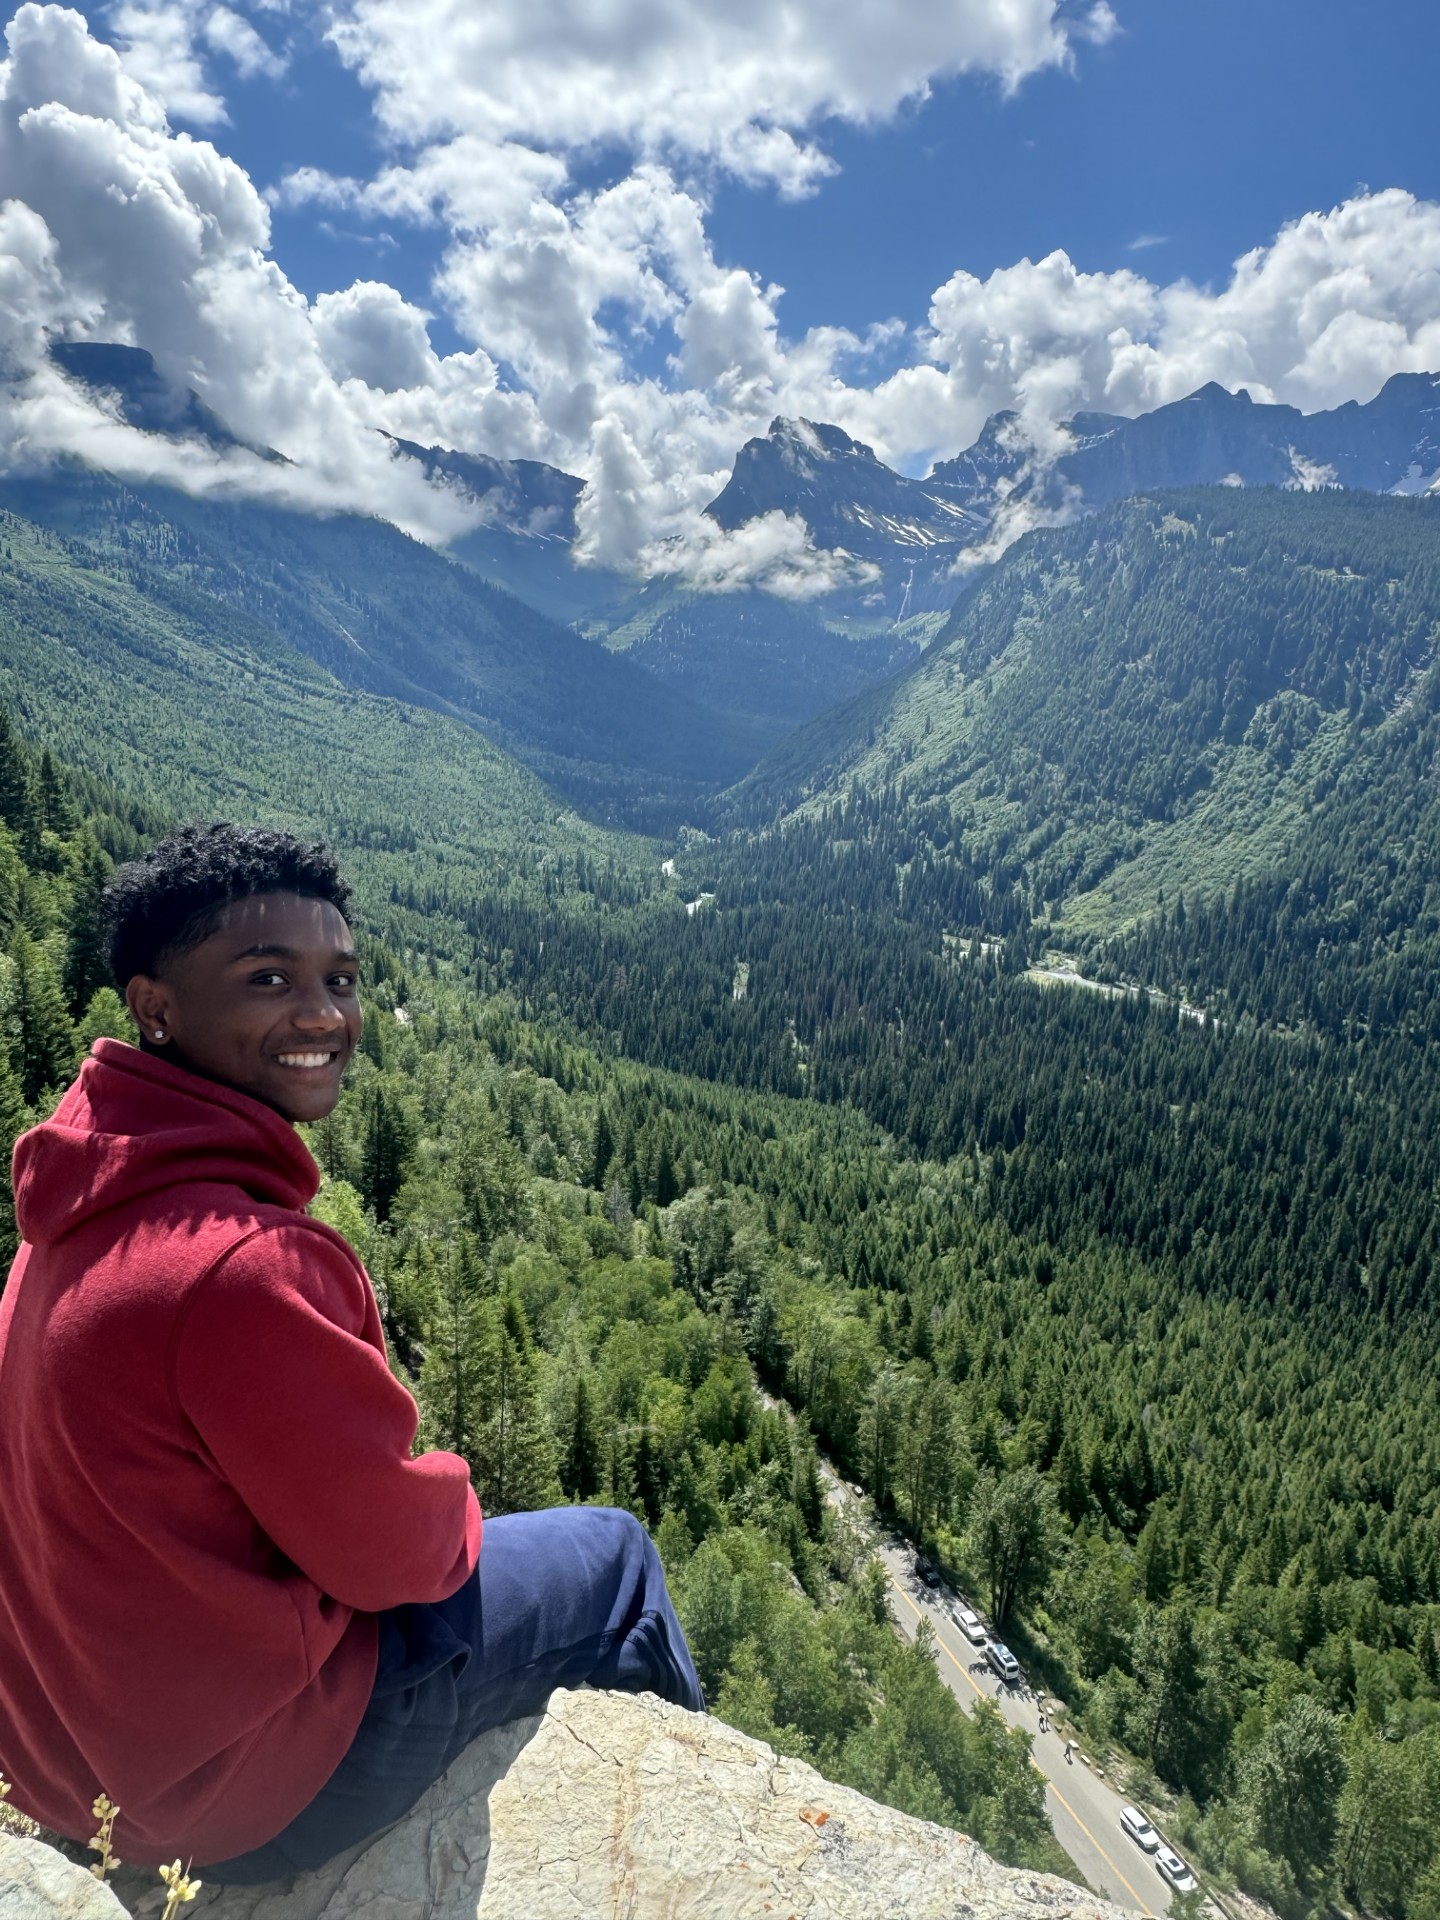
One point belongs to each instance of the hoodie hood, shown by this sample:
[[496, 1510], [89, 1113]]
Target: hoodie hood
[[134, 1125]]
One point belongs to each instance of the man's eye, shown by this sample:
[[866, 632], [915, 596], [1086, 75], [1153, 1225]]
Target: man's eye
[[346, 981], [269, 980]]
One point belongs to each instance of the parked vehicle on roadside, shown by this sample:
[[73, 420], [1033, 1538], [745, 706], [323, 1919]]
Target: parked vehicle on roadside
[[1173, 1868], [1003, 1661], [1139, 1829], [970, 1624]]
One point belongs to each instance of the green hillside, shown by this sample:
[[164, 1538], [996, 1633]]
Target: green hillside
[[1155, 699], [772, 662], [386, 615], [196, 707]]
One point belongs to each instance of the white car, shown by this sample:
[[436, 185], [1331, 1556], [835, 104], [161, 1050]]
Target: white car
[[970, 1625], [1139, 1829], [1174, 1869]]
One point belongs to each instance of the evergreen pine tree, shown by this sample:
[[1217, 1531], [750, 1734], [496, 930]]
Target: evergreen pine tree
[[385, 1156], [54, 813], [13, 882], [514, 1459], [582, 1467], [649, 1479], [666, 1186], [925, 1465], [86, 969], [1074, 1495], [881, 1424], [372, 1037], [16, 809], [1154, 1558], [13, 1118], [105, 1014], [1175, 1723], [42, 1040], [602, 1148], [457, 1377]]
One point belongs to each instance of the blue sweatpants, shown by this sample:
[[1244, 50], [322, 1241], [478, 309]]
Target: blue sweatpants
[[572, 1596]]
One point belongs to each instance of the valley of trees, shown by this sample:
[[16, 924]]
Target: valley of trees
[[1208, 1518], [1123, 1304]]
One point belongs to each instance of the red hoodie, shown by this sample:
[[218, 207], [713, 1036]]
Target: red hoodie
[[206, 1489]]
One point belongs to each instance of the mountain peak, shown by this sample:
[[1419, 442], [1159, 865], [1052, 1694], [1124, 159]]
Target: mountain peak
[[525, 496], [150, 401], [1213, 394], [816, 438], [796, 462]]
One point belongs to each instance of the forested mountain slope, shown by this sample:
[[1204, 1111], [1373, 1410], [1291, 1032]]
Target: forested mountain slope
[[197, 707], [384, 614], [1156, 698], [773, 662]]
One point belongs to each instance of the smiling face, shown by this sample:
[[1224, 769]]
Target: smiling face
[[266, 1003]]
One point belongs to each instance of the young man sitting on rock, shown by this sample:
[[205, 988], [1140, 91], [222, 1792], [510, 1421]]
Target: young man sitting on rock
[[229, 1597]]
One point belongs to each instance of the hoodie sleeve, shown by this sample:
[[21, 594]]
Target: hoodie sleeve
[[279, 1366]]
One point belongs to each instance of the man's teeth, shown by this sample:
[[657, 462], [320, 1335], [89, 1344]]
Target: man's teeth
[[304, 1059]]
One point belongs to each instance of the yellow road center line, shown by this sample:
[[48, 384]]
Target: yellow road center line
[[967, 1676]]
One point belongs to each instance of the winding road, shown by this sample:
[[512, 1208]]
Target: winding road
[[1084, 1808]]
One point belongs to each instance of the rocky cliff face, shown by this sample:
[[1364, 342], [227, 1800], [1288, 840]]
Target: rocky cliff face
[[914, 531], [606, 1806]]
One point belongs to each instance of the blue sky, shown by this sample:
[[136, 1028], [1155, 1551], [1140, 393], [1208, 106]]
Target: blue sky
[[1203, 124], [1199, 129], [542, 228]]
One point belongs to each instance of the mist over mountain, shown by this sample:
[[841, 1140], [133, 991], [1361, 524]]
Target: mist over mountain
[[1211, 438], [746, 663], [526, 533], [916, 540], [905, 532], [145, 398], [911, 541], [919, 545]]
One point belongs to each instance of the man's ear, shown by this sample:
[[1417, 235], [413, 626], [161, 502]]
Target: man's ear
[[149, 1002]]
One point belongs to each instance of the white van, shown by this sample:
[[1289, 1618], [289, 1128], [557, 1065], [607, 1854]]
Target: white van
[[1006, 1666]]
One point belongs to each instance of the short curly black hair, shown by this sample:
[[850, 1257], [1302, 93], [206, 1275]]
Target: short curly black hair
[[169, 900]]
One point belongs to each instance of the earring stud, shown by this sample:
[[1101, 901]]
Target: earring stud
[[159, 1033]]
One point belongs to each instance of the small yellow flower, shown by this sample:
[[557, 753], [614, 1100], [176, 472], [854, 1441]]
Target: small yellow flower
[[181, 1886], [106, 1812]]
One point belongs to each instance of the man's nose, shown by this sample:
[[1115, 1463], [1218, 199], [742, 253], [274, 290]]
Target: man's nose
[[319, 1011]]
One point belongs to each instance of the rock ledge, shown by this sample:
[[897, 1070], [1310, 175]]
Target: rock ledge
[[611, 1806]]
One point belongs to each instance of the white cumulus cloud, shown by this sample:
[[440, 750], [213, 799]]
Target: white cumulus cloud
[[369, 333], [744, 84], [601, 332], [164, 43]]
